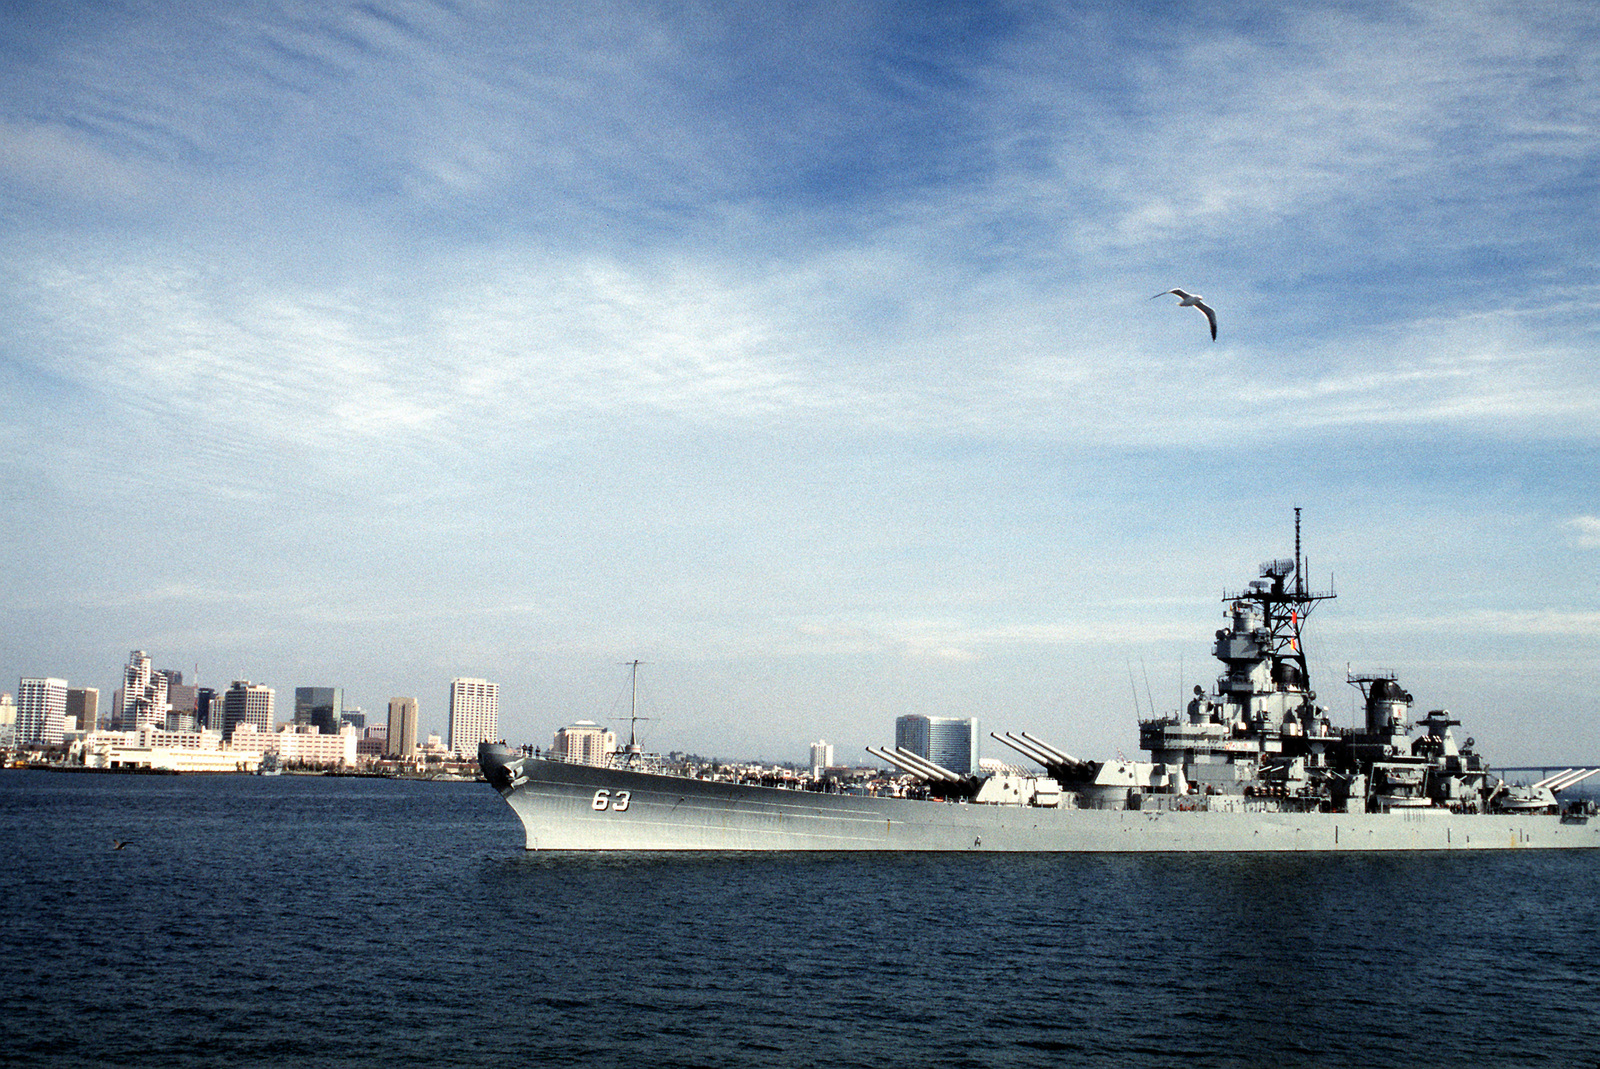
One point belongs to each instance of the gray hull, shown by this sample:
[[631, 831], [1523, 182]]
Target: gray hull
[[578, 807]]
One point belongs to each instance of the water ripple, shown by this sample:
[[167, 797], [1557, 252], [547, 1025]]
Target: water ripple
[[314, 922]]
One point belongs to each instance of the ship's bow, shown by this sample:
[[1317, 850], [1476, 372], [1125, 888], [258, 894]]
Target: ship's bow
[[495, 759]]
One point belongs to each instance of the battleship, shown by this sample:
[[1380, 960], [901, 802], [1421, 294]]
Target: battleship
[[1255, 765]]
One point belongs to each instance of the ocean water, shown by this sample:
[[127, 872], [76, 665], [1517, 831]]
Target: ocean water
[[325, 922]]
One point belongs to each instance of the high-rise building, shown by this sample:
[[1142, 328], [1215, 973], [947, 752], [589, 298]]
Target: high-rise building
[[41, 710], [205, 700], [246, 703], [474, 714], [142, 698], [321, 707], [585, 743], [949, 742], [83, 705], [821, 756], [402, 740], [183, 702]]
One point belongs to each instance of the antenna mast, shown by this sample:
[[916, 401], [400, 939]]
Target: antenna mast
[[633, 752], [1299, 571]]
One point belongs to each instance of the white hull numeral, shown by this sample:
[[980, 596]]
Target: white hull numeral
[[616, 803]]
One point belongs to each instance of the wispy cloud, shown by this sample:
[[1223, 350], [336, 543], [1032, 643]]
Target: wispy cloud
[[831, 321], [1585, 531]]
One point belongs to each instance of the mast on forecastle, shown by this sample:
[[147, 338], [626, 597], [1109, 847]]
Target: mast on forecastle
[[633, 755]]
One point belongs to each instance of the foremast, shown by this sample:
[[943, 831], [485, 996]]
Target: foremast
[[1266, 682], [1260, 729]]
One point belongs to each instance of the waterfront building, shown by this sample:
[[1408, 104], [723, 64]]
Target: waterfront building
[[402, 738], [353, 716], [299, 745], [585, 743], [474, 714], [153, 748], [83, 706], [949, 742], [41, 710], [142, 698], [321, 707], [205, 751], [247, 703], [8, 719]]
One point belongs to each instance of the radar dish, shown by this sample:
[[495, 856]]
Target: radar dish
[[1278, 568]]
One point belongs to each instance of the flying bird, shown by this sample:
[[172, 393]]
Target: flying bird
[[118, 844], [1190, 300]]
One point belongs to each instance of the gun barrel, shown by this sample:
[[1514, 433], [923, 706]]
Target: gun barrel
[[1025, 748], [1570, 778], [906, 761], [884, 755], [1060, 756], [1548, 780], [929, 769]]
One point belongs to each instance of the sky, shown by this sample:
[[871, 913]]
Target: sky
[[804, 353]]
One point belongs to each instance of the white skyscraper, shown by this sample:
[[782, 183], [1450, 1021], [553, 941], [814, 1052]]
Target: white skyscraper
[[143, 697], [821, 756], [41, 710], [474, 714]]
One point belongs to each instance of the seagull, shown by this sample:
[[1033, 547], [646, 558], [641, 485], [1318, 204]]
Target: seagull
[[1190, 300], [118, 844]]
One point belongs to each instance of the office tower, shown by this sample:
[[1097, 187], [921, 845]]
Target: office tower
[[246, 703], [402, 740], [83, 705], [474, 714], [321, 707], [585, 743], [41, 711], [142, 699], [355, 718], [205, 700], [949, 742]]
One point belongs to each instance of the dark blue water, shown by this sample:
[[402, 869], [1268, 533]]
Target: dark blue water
[[310, 921]]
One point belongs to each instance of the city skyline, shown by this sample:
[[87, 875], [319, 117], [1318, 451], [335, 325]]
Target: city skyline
[[156, 680], [806, 353]]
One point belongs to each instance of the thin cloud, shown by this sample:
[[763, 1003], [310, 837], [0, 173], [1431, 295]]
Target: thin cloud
[[821, 331], [1586, 531]]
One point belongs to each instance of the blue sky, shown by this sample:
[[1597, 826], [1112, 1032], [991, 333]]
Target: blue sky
[[805, 353]]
